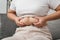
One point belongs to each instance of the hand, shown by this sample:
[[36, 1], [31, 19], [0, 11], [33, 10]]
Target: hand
[[42, 22], [18, 23]]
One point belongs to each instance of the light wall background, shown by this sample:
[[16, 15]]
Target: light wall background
[[3, 6]]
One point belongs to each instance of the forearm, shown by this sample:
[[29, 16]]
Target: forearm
[[11, 16], [53, 16]]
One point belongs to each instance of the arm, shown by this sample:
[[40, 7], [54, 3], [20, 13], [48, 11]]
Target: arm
[[11, 14], [53, 16], [43, 20]]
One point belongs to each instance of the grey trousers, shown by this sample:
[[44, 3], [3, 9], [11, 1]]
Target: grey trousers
[[31, 33]]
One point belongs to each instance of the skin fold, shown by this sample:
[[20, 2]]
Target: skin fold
[[28, 20]]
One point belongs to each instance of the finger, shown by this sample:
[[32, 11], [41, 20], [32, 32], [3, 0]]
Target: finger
[[19, 24], [42, 25], [36, 23], [20, 18]]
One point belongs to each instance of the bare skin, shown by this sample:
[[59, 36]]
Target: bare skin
[[42, 20], [29, 20]]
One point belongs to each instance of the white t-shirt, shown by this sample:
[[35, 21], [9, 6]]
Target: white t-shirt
[[33, 7]]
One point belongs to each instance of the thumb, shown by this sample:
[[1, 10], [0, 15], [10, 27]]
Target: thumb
[[36, 23]]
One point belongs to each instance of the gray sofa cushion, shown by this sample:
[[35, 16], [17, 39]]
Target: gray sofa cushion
[[57, 39], [8, 27], [54, 27]]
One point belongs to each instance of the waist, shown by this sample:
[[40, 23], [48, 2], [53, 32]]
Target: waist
[[31, 27], [32, 16]]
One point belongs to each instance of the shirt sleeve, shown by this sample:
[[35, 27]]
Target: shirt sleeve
[[12, 6], [54, 3]]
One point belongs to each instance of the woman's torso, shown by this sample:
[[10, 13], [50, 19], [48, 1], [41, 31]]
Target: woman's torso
[[32, 7]]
